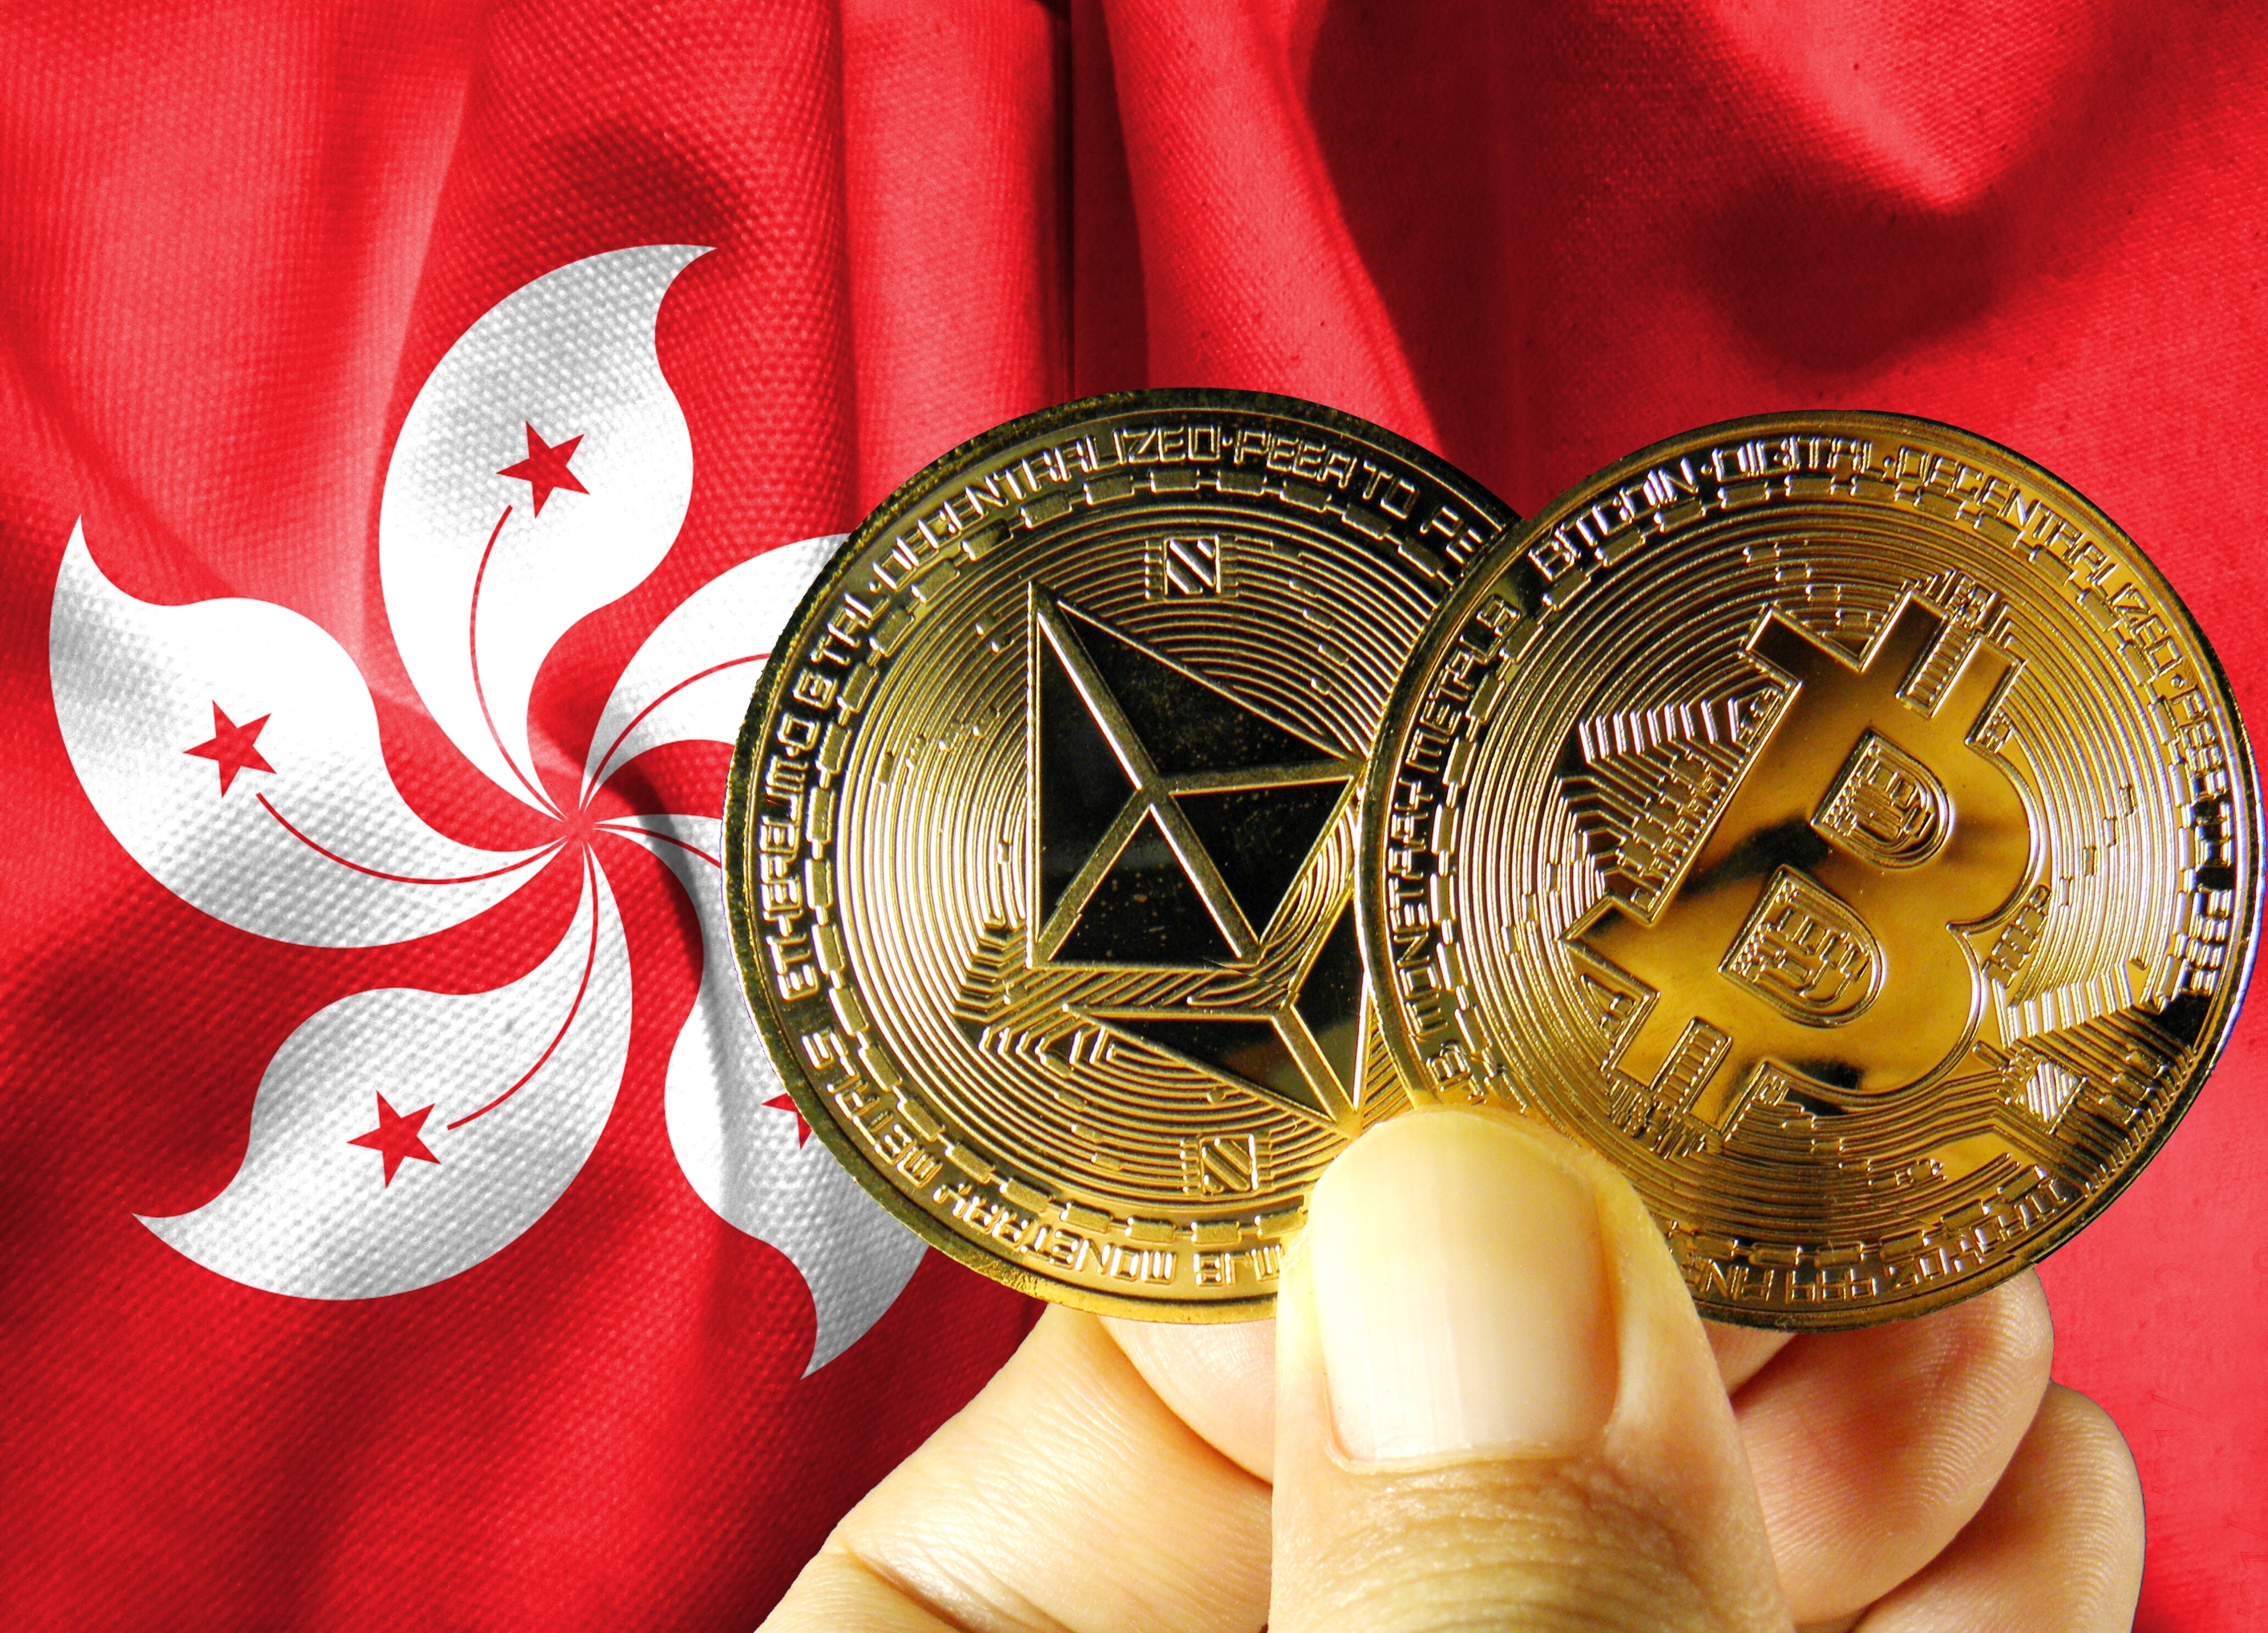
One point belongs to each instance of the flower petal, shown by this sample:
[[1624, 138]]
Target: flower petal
[[311, 844], [743, 1155], [483, 571], [692, 678], [520, 1082]]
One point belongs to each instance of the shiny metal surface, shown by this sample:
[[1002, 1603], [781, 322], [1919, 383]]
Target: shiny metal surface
[[1040, 834], [1837, 820]]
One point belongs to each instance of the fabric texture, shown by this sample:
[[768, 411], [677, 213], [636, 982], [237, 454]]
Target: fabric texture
[[238, 245]]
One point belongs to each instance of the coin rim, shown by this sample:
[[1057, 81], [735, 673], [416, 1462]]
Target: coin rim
[[1486, 571], [818, 1112]]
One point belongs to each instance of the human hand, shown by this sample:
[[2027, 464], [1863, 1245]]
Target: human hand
[[1488, 1402]]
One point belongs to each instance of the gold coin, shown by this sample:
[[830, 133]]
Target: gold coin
[[1837, 820], [1041, 833]]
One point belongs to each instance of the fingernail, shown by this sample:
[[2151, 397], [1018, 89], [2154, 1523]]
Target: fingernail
[[1461, 1290]]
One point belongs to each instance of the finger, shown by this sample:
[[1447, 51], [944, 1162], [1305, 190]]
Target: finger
[[1219, 1380], [1065, 1497], [1742, 1352], [1872, 1449], [1495, 1404], [835, 1591], [2058, 1544]]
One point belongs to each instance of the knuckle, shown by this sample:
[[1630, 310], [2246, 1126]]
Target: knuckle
[[1542, 1548]]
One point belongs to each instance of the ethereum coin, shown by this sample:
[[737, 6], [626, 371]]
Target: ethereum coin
[[1837, 821], [1041, 833]]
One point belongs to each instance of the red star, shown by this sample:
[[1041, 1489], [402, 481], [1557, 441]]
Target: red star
[[395, 1137], [545, 468], [231, 747], [786, 1102]]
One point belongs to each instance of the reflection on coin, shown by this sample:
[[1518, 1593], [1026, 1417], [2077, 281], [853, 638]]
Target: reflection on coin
[[1041, 833], [1837, 821]]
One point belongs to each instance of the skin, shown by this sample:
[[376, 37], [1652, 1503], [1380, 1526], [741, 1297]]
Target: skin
[[1919, 1476]]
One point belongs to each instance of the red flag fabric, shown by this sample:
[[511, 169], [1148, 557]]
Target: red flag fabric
[[418, 417]]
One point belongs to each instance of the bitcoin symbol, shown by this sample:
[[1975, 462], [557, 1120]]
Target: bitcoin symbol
[[1818, 926], [1823, 850]]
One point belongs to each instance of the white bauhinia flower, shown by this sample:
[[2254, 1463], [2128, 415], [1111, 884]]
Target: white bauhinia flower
[[398, 1137]]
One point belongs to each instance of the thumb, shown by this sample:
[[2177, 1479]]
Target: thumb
[[1495, 1404]]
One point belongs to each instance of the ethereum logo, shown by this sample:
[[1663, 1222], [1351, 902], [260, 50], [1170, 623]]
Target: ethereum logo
[[1170, 843], [1172, 822], [1306, 1054]]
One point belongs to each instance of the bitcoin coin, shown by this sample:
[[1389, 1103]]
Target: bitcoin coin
[[1040, 834], [1837, 820]]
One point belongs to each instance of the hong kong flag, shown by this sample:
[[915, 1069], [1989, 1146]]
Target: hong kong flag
[[418, 421]]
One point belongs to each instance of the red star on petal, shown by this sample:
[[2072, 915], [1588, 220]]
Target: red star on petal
[[545, 468], [231, 747], [786, 1102], [395, 1137]]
